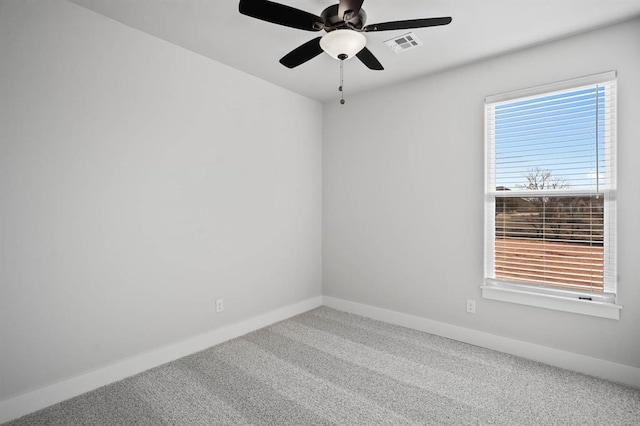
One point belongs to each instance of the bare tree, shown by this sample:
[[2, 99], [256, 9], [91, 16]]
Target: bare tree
[[542, 179], [559, 217], [546, 213]]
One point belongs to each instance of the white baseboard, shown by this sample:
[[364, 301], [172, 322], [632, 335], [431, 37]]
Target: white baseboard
[[608, 370], [43, 397]]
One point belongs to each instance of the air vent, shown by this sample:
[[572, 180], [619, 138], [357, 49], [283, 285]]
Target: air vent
[[403, 43]]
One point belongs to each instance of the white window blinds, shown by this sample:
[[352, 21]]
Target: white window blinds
[[550, 185]]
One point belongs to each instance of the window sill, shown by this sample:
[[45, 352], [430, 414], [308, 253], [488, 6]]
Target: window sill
[[560, 300]]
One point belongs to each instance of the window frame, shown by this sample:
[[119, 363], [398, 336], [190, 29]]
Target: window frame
[[600, 304]]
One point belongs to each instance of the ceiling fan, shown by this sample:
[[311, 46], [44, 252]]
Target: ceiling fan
[[344, 24]]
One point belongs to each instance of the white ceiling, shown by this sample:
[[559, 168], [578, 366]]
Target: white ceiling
[[480, 29]]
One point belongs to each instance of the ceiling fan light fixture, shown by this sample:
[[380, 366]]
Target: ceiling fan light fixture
[[338, 43]]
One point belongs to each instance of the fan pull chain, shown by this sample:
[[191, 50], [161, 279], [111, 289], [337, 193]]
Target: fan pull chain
[[342, 101]]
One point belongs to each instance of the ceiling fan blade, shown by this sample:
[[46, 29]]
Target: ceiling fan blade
[[302, 54], [281, 14], [350, 8], [408, 24], [367, 58]]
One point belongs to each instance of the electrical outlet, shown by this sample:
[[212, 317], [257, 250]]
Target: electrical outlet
[[471, 306], [219, 305]]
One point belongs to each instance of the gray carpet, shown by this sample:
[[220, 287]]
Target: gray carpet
[[327, 367]]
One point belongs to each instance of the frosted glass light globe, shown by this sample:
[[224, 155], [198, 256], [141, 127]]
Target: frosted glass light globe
[[343, 42]]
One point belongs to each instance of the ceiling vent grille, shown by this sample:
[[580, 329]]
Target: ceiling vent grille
[[403, 43]]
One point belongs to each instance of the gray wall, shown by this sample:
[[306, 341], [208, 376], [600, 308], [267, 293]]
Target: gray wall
[[403, 195], [139, 182]]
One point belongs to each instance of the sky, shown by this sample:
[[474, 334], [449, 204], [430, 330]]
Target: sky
[[565, 133]]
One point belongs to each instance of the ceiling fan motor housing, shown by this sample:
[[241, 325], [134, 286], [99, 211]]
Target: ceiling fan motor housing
[[334, 22]]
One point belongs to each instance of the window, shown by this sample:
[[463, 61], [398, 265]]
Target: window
[[550, 196]]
